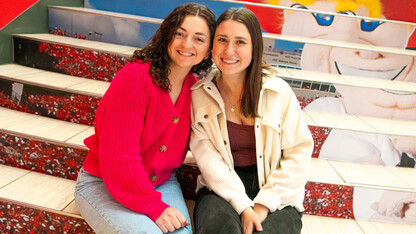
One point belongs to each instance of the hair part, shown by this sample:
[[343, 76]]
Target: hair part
[[156, 50]]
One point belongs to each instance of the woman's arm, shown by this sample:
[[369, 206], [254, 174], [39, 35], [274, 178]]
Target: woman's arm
[[285, 184], [120, 128]]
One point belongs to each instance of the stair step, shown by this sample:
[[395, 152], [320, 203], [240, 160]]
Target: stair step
[[105, 26], [110, 48], [330, 78], [53, 80], [54, 196], [76, 57]]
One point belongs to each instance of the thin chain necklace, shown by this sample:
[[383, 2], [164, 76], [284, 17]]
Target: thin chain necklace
[[233, 106]]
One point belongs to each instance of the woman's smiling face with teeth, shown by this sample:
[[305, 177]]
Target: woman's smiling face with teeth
[[190, 43], [232, 50]]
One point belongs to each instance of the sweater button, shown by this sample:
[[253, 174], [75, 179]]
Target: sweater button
[[206, 116], [209, 88], [225, 143], [162, 148], [153, 177], [175, 119]]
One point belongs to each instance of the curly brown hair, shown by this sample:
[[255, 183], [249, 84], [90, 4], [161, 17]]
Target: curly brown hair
[[156, 50]]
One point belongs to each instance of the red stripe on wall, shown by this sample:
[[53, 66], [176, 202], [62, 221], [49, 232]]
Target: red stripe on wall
[[11, 9]]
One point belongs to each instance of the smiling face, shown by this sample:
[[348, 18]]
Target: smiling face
[[232, 51], [190, 43]]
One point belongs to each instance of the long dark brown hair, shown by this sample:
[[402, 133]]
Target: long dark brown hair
[[156, 50], [253, 81]]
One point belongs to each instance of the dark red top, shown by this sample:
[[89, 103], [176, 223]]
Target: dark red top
[[242, 143]]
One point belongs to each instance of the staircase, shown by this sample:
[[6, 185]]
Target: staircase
[[48, 98]]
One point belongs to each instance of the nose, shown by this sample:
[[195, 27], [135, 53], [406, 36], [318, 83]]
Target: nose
[[229, 50], [369, 54], [187, 42]]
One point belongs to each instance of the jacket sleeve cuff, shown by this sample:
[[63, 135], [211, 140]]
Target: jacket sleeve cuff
[[155, 210], [268, 199], [240, 205]]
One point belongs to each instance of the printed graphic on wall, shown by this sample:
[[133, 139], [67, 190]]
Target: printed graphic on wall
[[348, 145], [110, 29]]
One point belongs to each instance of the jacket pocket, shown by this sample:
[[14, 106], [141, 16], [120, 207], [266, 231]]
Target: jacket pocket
[[206, 113], [272, 121]]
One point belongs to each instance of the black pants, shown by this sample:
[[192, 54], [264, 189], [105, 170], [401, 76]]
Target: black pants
[[214, 215]]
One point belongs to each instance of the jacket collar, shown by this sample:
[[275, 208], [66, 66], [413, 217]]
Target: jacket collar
[[270, 81]]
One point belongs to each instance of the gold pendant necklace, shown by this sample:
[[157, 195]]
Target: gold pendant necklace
[[233, 107]]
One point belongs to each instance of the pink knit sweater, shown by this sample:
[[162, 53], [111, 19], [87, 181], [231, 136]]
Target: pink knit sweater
[[140, 138]]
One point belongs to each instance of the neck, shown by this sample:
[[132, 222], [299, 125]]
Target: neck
[[232, 85], [177, 74]]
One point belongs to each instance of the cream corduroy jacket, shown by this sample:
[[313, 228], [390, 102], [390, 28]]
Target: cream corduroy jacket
[[283, 146]]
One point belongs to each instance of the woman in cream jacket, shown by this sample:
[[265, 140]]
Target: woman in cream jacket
[[248, 137]]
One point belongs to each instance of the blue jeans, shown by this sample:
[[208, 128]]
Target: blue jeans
[[106, 215]]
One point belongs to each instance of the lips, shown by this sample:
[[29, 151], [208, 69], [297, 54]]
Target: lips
[[230, 61], [185, 53], [380, 74]]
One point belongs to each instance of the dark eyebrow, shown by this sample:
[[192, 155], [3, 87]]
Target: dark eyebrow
[[198, 33], [239, 38]]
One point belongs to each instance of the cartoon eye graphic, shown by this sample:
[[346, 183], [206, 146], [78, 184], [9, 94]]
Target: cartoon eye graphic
[[369, 25], [299, 6], [323, 19]]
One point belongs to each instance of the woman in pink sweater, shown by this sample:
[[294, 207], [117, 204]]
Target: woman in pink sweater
[[142, 127]]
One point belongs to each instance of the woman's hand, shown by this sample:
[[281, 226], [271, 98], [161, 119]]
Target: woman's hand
[[261, 211], [250, 220], [170, 220]]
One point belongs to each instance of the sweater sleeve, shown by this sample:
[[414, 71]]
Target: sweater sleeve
[[120, 126]]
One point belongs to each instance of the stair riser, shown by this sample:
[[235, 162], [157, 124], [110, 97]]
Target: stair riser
[[75, 108], [16, 218], [39, 156], [67, 60]]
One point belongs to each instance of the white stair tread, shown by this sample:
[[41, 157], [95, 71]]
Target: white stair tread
[[408, 175], [341, 44], [121, 50], [71, 208], [111, 14], [322, 171], [366, 174], [385, 228], [10, 117], [361, 123], [366, 82], [39, 127], [313, 224], [9, 174], [78, 140], [53, 80], [40, 190]]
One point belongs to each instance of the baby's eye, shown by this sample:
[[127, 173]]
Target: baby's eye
[[323, 19], [369, 25]]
